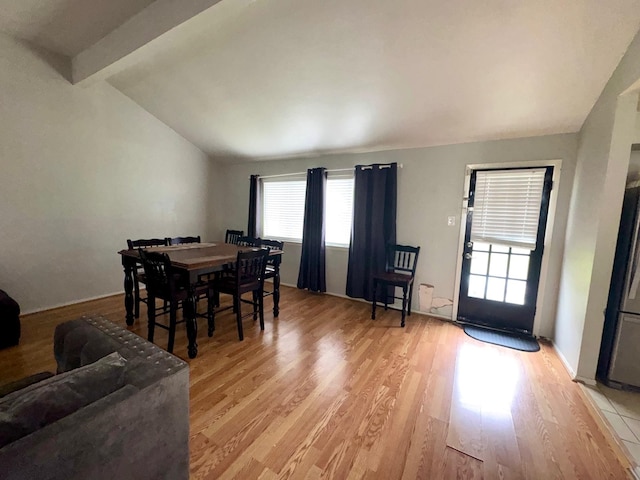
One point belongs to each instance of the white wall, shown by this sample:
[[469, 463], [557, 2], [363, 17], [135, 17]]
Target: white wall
[[430, 188], [82, 170], [603, 158]]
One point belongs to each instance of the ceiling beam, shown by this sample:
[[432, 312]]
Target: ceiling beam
[[125, 45]]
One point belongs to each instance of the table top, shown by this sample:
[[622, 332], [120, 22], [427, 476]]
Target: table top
[[192, 256]]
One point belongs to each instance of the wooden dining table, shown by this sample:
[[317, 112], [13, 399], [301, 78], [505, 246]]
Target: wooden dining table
[[191, 262]]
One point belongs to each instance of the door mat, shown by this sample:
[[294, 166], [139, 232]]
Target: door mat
[[525, 344]]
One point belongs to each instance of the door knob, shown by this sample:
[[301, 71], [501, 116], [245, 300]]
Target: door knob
[[467, 256]]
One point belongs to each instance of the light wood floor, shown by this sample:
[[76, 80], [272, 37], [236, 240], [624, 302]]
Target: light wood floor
[[325, 392]]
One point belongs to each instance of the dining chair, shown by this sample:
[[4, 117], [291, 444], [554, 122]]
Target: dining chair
[[182, 240], [232, 236], [247, 275], [163, 283], [245, 241], [273, 269], [400, 270], [139, 276]]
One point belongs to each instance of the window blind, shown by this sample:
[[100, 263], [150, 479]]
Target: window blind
[[338, 211], [506, 207], [283, 209]]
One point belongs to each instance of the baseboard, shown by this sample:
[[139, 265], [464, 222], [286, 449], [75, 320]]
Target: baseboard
[[362, 300], [587, 381], [73, 302], [565, 363], [575, 377]]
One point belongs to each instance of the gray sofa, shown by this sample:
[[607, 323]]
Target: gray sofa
[[118, 408]]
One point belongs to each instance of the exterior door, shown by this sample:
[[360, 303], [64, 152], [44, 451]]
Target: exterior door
[[499, 283]]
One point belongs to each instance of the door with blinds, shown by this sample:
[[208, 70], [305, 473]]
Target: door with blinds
[[503, 247]]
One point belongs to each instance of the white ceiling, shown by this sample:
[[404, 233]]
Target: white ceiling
[[274, 78]]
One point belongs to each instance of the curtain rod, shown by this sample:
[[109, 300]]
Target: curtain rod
[[366, 167]]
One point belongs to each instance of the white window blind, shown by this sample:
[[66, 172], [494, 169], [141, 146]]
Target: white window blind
[[338, 210], [506, 207], [283, 209]]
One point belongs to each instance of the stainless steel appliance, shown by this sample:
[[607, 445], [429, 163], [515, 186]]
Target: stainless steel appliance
[[619, 361]]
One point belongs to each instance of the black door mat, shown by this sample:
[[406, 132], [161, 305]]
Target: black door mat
[[525, 344]]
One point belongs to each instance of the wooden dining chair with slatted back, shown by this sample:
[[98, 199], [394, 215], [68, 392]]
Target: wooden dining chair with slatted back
[[245, 241], [400, 270], [183, 240], [232, 236], [273, 270], [139, 276], [247, 275], [165, 284]]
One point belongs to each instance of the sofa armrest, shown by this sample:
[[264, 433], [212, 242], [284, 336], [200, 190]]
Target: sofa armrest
[[23, 383]]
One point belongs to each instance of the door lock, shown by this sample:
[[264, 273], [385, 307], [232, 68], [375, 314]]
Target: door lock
[[467, 256]]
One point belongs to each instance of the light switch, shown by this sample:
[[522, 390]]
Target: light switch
[[451, 221]]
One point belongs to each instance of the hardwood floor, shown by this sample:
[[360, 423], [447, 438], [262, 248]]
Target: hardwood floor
[[325, 392]]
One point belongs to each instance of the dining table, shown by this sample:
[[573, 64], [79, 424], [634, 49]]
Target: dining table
[[192, 262]]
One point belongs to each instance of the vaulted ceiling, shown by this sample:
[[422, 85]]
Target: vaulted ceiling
[[261, 79]]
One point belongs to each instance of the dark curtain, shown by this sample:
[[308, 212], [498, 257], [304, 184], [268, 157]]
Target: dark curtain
[[312, 259], [374, 226], [254, 206]]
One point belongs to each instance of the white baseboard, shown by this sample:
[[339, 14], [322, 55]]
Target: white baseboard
[[73, 302], [362, 300], [565, 363], [587, 381]]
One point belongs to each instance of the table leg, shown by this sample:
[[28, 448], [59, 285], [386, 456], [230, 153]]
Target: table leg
[[192, 323], [276, 291], [128, 293]]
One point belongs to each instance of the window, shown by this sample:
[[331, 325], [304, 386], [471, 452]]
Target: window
[[506, 207], [338, 210], [283, 209]]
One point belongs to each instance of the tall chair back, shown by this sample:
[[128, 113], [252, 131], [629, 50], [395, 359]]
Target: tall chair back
[[272, 245], [402, 259], [245, 241], [181, 240], [273, 272], [147, 242], [157, 270], [232, 236], [249, 270], [139, 276]]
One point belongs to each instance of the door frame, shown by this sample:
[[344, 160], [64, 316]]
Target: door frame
[[544, 268]]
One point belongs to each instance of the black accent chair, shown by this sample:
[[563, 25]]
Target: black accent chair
[[273, 270], [181, 240], [232, 236], [139, 276], [400, 270], [165, 284], [247, 275]]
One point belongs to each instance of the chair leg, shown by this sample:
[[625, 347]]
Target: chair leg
[[373, 304], [136, 298], [211, 326], [151, 319], [410, 299], [237, 303], [255, 305], [386, 296], [261, 307], [173, 313], [404, 304]]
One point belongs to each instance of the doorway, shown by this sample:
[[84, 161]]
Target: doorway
[[503, 248]]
